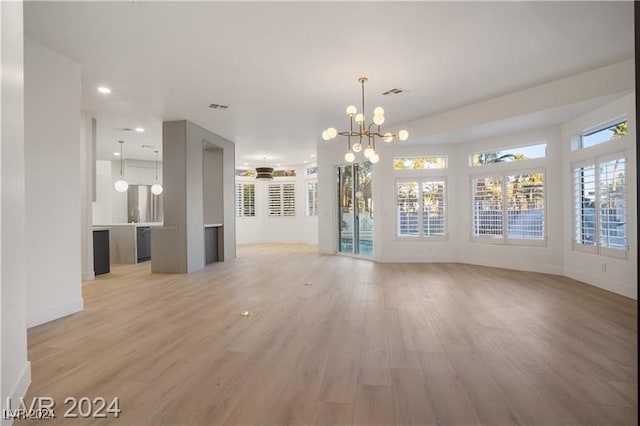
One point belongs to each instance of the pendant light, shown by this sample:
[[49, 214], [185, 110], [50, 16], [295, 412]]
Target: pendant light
[[264, 173], [364, 131], [121, 185], [156, 188]]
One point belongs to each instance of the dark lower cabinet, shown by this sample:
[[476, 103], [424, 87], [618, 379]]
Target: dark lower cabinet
[[101, 260], [144, 243], [211, 244]]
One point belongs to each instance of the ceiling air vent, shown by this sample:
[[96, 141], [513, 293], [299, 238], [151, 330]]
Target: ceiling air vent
[[394, 91], [124, 129], [218, 106]]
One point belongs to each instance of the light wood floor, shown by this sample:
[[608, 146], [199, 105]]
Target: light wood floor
[[365, 344]]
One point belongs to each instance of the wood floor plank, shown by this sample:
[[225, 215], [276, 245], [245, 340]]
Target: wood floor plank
[[334, 414], [412, 400], [452, 403], [374, 406], [364, 343]]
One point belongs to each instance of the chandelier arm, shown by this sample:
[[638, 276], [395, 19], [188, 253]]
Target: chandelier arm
[[362, 82]]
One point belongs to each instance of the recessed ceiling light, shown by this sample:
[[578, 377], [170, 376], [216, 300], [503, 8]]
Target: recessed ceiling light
[[139, 129], [305, 161], [104, 89], [279, 165], [312, 155], [117, 154], [246, 164]]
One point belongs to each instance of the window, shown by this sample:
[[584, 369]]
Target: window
[[282, 199], [421, 208], [312, 198], [245, 172], [600, 209], [245, 199], [419, 163], [510, 154], [602, 135], [284, 173], [509, 207]]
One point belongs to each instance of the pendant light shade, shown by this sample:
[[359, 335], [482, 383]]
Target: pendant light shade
[[264, 173], [121, 185], [156, 188]]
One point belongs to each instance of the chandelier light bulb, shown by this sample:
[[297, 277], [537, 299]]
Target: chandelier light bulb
[[332, 132], [357, 147], [360, 118], [388, 137], [156, 189], [121, 185], [351, 110], [349, 156], [374, 158], [378, 111], [403, 135], [378, 119], [369, 152], [325, 135]]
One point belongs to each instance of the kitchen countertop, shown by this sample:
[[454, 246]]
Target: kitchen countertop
[[137, 224], [212, 225]]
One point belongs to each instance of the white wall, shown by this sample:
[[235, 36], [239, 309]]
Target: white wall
[[101, 207], [87, 166], [53, 190], [266, 229], [613, 274], [395, 249], [213, 186], [15, 370], [545, 258]]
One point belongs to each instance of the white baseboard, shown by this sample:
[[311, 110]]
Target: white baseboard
[[623, 289], [55, 312], [88, 276], [416, 259], [18, 390], [533, 267]]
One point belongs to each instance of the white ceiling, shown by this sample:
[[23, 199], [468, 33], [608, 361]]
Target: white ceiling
[[287, 70]]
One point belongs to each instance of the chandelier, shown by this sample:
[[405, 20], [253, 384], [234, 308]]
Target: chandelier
[[364, 132]]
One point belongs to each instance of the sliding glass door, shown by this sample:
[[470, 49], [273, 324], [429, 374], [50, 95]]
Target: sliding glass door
[[355, 209]]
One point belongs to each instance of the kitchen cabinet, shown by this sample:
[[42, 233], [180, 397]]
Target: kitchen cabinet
[[130, 243], [101, 259], [212, 243], [144, 243]]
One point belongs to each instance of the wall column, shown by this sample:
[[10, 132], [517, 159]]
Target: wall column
[[178, 246]]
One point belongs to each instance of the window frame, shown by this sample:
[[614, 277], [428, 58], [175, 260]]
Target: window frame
[[578, 146], [444, 158], [420, 180], [311, 181], [597, 248], [510, 148], [240, 201], [504, 239], [281, 185]]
